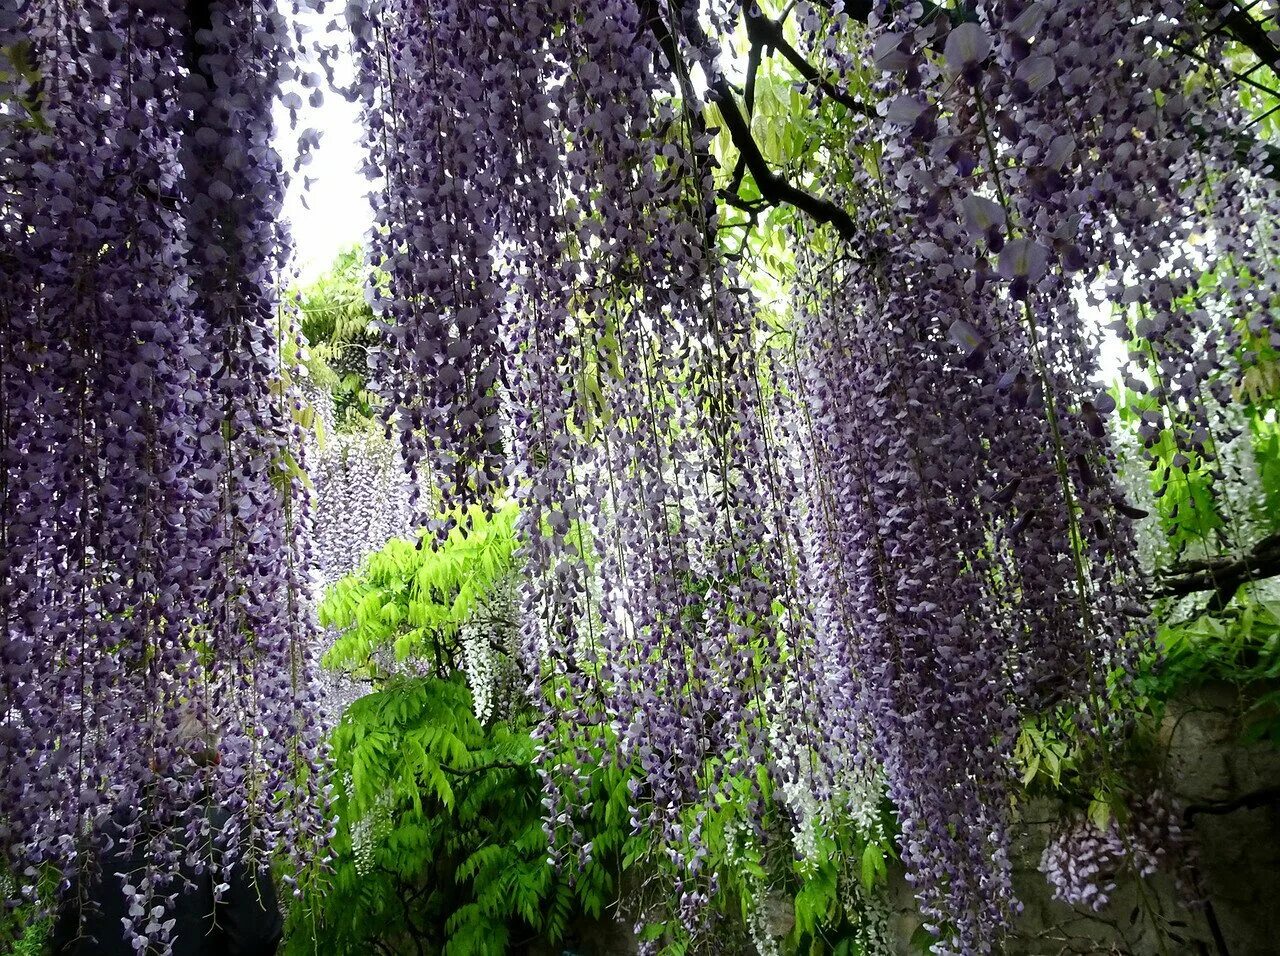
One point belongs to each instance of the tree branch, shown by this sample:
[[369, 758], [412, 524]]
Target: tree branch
[[768, 35], [773, 187], [1267, 796], [1243, 28], [754, 56], [199, 18], [1224, 576]]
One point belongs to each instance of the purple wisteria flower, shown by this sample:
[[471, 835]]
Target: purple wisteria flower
[[152, 507]]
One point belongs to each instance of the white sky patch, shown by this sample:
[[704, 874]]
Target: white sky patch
[[1113, 352], [334, 212]]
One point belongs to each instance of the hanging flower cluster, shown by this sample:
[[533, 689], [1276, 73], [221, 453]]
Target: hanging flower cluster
[[486, 650], [1084, 861], [151, 504], [361, 498], [651, 553], [360, 502], [889, 542], [952, 382]]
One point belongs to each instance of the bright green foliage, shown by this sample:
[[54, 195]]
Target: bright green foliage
[[439, 845], [1183, 485], [799, 139], [825, 921], [747, 846], [18, 62], [1237, 646], [413, 600], [1240, 646], [1266, 448], [337, 323], [1258, 91], [334, 308], [23, 930], [33, 936]]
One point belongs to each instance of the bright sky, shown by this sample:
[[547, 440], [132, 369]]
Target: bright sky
[[339, 214]]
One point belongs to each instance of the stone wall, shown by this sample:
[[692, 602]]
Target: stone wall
[[1232, 790]]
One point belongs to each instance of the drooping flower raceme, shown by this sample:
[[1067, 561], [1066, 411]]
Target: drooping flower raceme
[[1021, 150], [1083, 861], [884, 543], [579, 215], [151, 564], [888, 541]]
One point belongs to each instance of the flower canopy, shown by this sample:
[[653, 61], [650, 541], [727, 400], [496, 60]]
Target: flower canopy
[[869, 540]]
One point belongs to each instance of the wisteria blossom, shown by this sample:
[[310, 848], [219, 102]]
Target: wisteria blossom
[[152, 503], [904, 533], [844, 554]]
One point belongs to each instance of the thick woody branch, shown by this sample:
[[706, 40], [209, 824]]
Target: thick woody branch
[[1223, 576], [774, 187], [1243, 28], [1266, 797], [766, 35]]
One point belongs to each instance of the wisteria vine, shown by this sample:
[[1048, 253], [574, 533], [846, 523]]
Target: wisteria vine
[[152, 564], [899, 535], [865, 553]]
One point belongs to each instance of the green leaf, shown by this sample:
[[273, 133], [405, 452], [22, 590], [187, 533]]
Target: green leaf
[[873, 868], [1099, 813]]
